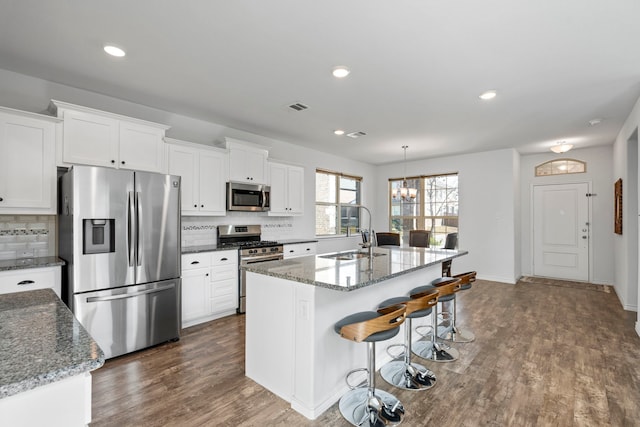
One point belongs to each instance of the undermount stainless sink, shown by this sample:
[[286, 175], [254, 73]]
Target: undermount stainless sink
[[348, 256]]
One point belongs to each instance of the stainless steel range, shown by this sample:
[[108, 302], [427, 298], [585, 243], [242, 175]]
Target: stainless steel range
[[252, 249]]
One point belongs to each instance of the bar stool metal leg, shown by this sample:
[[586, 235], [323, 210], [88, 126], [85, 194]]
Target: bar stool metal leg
[[454, 333], [432, 349], [369, 406], [405, 374]]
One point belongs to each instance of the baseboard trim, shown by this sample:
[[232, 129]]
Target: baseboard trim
[[510, 281], [638, 328]]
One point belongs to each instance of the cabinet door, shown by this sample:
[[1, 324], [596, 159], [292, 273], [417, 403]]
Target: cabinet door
[[27, 165], [196, 295], [295, 190], [278, 195], [247, 165], [212, 183], [89, 139], [141, 147], [183, 161]]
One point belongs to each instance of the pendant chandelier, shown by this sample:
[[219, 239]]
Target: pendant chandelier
[[406, 193]]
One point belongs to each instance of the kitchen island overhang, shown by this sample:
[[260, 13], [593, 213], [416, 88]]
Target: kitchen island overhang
[[292, 305]]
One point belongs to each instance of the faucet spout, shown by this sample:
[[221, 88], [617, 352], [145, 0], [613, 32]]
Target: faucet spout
[[369, 243]]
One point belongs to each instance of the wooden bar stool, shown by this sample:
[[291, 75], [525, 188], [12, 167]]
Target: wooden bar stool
[[403, 373], [433, 349], [455, 333], [363, 404]]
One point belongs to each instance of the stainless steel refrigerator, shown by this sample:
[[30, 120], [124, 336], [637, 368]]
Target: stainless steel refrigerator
[[119, 233]]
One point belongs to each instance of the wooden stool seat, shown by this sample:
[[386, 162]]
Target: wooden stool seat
[[372, 326], [466, 279]]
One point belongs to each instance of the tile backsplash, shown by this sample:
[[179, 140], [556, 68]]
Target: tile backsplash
[[27, 236], [197, 231]]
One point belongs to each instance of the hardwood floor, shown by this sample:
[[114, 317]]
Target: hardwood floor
[[546, 354]]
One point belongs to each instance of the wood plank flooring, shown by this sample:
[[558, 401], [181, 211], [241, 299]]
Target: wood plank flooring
[[546, 354]]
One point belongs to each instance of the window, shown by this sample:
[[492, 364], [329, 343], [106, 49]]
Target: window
[[561, 167], [337, 198], [435, 207]]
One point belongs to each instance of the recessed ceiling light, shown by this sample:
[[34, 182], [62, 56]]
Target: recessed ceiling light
[[490, 94], [338, 132], [114, 51], [595, 122], [341, 72]]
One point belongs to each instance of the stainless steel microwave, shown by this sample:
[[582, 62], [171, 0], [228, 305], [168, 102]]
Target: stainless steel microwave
[[247, 197]]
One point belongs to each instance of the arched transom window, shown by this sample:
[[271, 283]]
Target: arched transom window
[[561, 167]]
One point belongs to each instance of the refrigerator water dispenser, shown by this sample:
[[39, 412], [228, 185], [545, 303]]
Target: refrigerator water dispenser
[[98, 236]]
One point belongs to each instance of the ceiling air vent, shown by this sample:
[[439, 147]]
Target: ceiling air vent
[[298, 106], [356, 134]]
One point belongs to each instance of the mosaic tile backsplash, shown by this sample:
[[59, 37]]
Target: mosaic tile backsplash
[[198, 231], [27, 236]]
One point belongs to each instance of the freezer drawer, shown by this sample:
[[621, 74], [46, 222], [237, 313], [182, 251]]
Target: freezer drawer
[[131, 318]]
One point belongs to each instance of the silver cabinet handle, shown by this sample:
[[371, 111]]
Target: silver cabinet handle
[[26, 282]]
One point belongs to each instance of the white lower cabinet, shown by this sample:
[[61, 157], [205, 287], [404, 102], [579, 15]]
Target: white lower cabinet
[[300, 249], [30, 279], [209, 286]]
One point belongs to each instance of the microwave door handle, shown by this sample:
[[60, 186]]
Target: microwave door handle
[[263, 199], [131, 232]]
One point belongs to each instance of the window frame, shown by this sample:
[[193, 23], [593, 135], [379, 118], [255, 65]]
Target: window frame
[[338, 204], [419, 220]]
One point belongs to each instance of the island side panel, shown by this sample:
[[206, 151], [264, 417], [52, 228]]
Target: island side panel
[[269, 350]]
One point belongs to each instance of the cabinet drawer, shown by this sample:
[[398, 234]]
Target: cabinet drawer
[[224, 272], [193, 261], [224, 258], [29, 280]]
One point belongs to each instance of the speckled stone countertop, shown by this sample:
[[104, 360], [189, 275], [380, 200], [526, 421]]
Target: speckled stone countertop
[[41, 342], [213, 248], [205, 248], [18, 264], [327, 271], [296, 241]]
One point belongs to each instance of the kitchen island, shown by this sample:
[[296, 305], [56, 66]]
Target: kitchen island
[[46, 359], [292, 305]]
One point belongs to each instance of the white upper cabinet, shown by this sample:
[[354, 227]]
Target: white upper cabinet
[[27, 163], [247, 162], [287, 189], [203, 172], [98, 138]]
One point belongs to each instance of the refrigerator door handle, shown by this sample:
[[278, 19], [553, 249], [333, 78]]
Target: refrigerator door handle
[[138, 230], [123, 296], [131, 228]]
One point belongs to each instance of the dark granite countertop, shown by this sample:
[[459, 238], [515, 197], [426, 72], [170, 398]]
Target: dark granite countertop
[[41, 342], [336, 271], [18, 264], [296, 241], [213, 248]]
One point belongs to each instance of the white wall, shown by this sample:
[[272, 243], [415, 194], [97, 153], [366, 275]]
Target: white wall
[[488, 207], [599, 174], [626, 287]]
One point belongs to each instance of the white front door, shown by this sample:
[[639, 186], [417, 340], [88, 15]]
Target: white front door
[[561, 231]]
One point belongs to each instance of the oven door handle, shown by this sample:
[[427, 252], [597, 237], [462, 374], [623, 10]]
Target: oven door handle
[[253, 260]]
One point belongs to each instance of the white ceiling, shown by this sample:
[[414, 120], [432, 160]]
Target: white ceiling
[[418, 67]]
